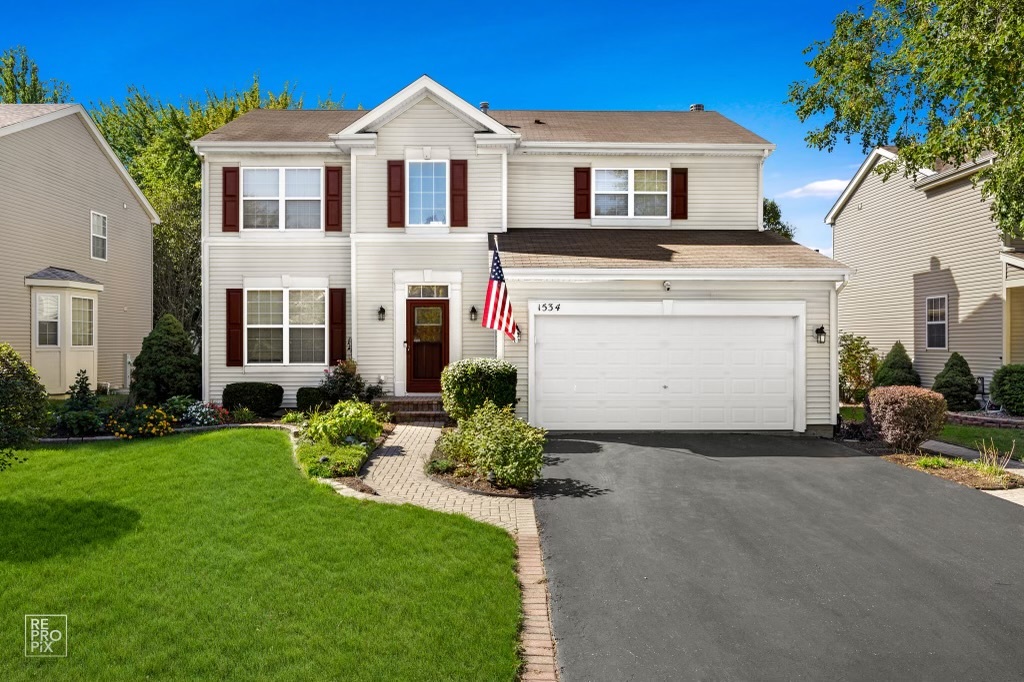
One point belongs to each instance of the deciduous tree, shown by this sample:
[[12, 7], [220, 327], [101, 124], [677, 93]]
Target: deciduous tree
[[20, 83]]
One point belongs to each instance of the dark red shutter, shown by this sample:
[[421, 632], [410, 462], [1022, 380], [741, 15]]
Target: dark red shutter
[[234, 328], [396, 193], [332, 199], [460, 193], [679, 193], [336, 326], [581, 193], [229, 200]]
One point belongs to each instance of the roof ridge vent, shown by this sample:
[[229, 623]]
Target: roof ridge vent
[[484, 106], [696, 107]]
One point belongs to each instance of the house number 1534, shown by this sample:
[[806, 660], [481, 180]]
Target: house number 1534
[[549, 307]]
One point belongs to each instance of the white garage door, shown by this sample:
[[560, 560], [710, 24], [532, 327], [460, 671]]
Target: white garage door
[[664, 372]]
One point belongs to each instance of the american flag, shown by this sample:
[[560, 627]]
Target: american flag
[[497, 307]]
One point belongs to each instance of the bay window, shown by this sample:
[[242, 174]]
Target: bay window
[[82, 321], [48, 320], [282, 198], [286, 326]]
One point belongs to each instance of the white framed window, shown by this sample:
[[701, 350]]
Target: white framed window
[[48, 320], [427, 198], [631, 192], [936, 323], [286, 326], [427, 291], [83, 321], [99, 235], [282, 198]]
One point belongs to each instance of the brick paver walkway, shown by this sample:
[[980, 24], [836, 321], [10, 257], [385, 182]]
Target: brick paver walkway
[[396, 472]]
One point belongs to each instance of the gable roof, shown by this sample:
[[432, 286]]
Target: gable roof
[[20, 117], [284, 125], [887, 153]]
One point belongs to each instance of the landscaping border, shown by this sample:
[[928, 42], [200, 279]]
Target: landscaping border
[[984, 420]]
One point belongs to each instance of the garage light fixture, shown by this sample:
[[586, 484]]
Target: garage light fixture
[[819, 334], [472, 314], [381, 313]]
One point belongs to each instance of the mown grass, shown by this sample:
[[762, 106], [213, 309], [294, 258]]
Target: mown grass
[[972, 436], [210, 557]]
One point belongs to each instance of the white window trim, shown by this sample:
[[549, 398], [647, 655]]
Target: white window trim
[[447, 199], [285, 326], [630, 195], [104, 237], [944, 323], [95, 324], [36, 321], [280, 198]]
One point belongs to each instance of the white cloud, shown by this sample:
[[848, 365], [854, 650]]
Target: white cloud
[[818, 188]]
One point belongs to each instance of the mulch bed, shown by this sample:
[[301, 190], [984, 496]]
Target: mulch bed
[[476, 484], [964, 475], [356, 483]]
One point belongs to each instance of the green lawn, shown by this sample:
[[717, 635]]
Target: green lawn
[[212, 557], [852, 414], [969, 436]]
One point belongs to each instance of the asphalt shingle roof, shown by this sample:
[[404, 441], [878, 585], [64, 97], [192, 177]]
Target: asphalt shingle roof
[[61, 275], [631, 248], [16, 113]]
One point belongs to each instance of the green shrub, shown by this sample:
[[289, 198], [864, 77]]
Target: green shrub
[[441, 466], [933, 462], [326, 460], [167, 365], [897, 369], [858, 362], [343, 382], [310, 399], [1008, 388], [24, 409], [466, 384], [503, 444], [293, 417], [906, 416], [262, 398], [176, 406], [455, 445], [347, 421], [243, 415], [141, 421], [957, 385], [79, 423], [81, 398]]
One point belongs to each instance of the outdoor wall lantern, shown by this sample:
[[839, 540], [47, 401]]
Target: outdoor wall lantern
[[381, 313], [819, 334], [472, 314]]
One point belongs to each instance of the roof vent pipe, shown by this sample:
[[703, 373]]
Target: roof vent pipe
[[484, 106], [696, 107]]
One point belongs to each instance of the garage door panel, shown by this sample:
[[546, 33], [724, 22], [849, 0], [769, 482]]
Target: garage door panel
[[622, 373]]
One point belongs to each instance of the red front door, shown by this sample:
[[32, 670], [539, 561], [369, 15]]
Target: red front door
[[426, 344]]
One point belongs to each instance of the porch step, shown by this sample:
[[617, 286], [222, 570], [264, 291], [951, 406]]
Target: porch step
[[406, 409], [410, 416]]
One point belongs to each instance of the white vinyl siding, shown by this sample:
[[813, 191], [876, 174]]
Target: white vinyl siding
[[428, 124], [906, 246], [723, 191]]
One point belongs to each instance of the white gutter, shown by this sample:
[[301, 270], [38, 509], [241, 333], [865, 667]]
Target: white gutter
[[678, 274]]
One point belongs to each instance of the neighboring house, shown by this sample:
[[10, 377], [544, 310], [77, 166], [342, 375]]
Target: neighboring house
[[76, 269], [647, 295], [930, 268]]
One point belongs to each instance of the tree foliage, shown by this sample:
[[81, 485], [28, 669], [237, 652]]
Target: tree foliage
[[773, 221], [153, 139], [939, 79], [20, 83], [858, 362]]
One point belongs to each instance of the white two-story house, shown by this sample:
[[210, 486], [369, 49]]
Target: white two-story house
[[646, 291]]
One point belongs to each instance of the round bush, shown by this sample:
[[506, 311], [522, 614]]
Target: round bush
[[497, 441], [1008, 388], [897, 369], [466, 384], [24, 412], [906, 416], [167, 365], [957, 385], [310, 398], [262, 398]]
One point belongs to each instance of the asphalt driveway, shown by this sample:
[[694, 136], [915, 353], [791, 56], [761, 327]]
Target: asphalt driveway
[[738, 557]]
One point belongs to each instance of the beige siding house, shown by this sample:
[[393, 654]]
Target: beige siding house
[[76, 270], [930, 269], [647, 294]]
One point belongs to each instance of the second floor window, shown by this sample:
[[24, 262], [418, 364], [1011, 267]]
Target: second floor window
[[99, 236], [282, 198], [428, 193], [631, 192]]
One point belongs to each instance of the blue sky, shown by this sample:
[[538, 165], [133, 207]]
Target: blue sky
[[737, 58]]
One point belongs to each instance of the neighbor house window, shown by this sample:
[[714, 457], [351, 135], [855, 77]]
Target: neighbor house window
[[935, 322], [428, 193], [286, 326], [631, 192], [99, 236], [82, 321], [282, 198], [48, 320]]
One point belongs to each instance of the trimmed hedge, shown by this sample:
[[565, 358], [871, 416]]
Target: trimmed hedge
[[957, 385], [467, 384], [897, 369], [262, 398], [310, 399], [1008, 388], [907, 416]]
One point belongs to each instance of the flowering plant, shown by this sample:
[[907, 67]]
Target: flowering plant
[[141, 421], [204, 414]]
